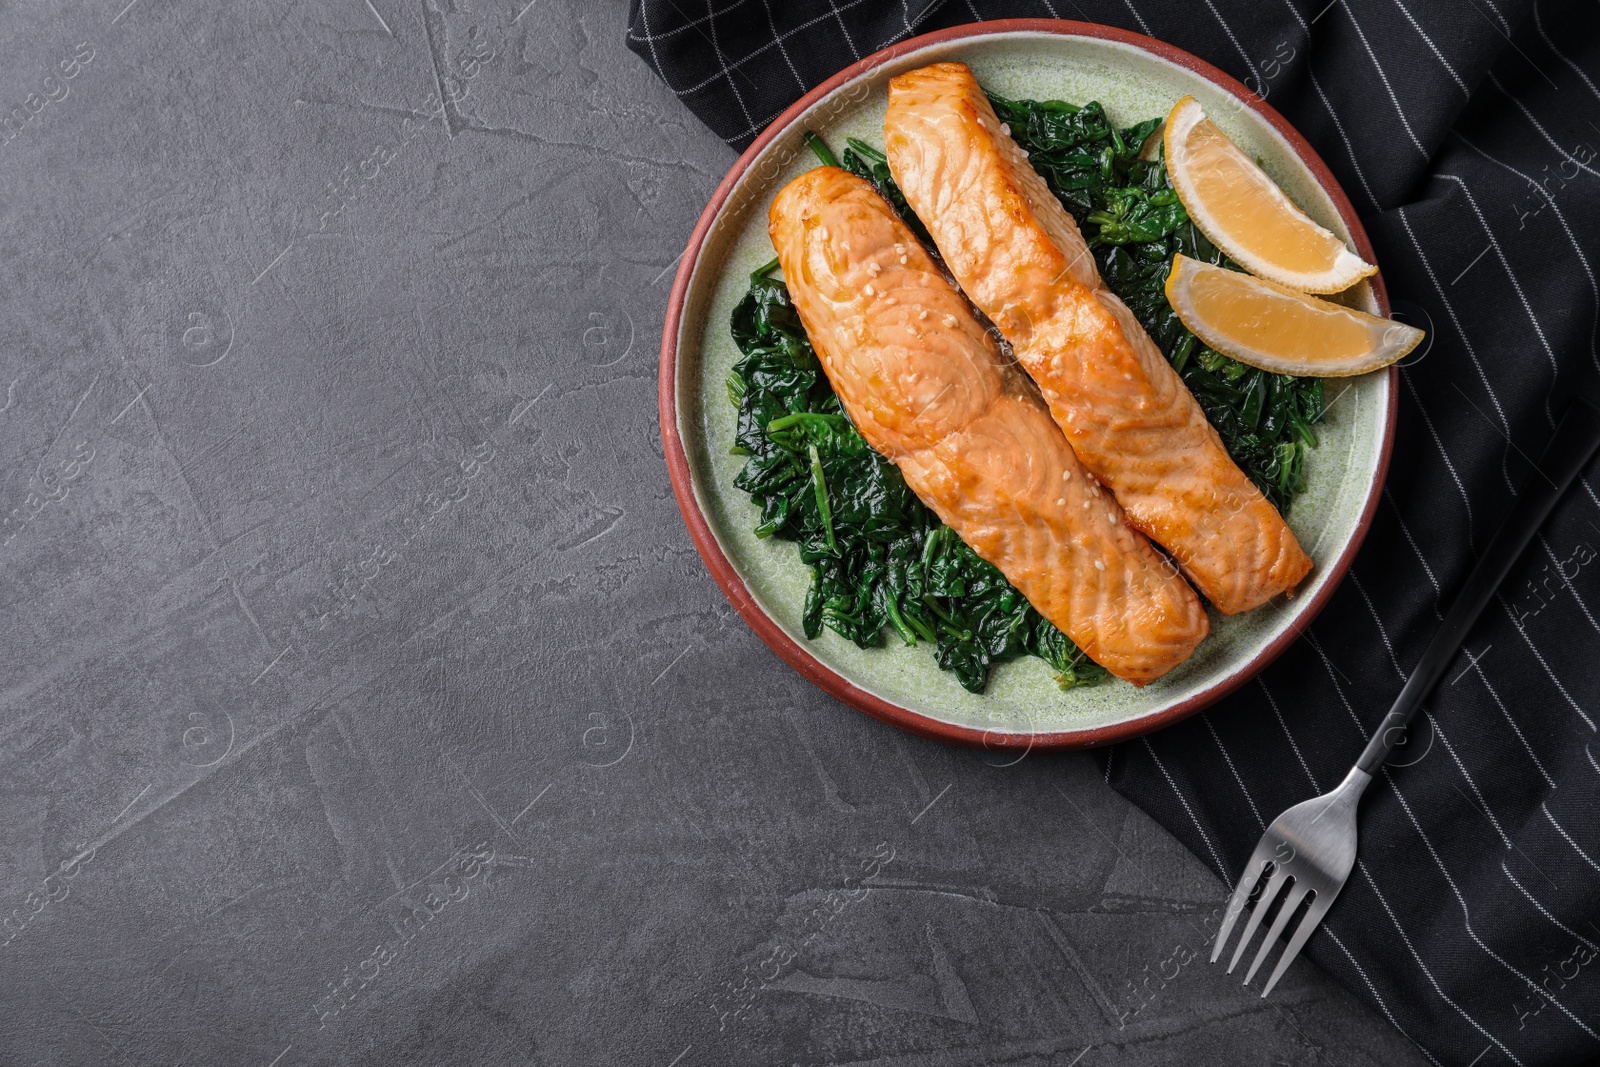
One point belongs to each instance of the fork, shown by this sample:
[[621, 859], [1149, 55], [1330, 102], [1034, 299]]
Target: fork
[[1309, 850]]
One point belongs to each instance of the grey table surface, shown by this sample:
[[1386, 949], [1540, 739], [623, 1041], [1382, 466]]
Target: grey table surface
[[364, 698]]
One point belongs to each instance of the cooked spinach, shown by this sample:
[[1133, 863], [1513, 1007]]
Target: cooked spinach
[[1134, 223], [880, 559]]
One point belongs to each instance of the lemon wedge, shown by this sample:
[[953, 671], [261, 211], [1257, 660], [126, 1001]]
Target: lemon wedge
[[1273, 327], [1245, 214]]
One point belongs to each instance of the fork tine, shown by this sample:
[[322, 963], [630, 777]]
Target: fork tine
[[1241, 896], [1291, 902], [1319, 908], [1280, 878]]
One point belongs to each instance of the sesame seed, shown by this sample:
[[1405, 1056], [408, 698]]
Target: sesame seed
[[902, 261], [1085, 505], [1062, 501], [1005, 128], [1066, 476], [869, 290], [873, 269], [949, 320], [922, 315], [1099, 564]]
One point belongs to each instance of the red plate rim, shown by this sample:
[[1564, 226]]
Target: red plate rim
[[796, 655]]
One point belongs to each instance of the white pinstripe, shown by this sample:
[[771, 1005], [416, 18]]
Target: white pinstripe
[[905, 16], [905, 20], [716, 47], [1162, 767], [1587, 751], [1303, 765], [1398, 110], [1406, 939], [1472, 354], [1466, 914], [1327, 928], [1482, 803], [1412, 541], [1451, 467], [1355, 165], [1311, 638], [644, 13], [1551, 141], [1234, 770], [757, 126], [1237, 47], [1443, 62], [1503, 23], [1538, 24], [1383, 632], [1594, 286], [1477, 365], [1592, 498], [911, 24], [845, 29], [1544, 342], [1568, 582], [1562, 830], [776, 36], [1540, 657], [1559, 925], [1143, 25], [1512, 722]]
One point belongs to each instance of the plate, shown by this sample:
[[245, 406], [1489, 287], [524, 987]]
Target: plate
[[1135, 77]]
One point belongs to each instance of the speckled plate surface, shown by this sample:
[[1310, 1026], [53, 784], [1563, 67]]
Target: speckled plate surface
[[1135, 78]]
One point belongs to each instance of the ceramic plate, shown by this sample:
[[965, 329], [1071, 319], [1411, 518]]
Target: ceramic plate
[[1135, 78]]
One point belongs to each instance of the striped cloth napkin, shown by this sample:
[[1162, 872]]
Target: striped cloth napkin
[[1467, 133]]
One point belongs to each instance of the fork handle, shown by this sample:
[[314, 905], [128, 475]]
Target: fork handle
[[1574, 442]]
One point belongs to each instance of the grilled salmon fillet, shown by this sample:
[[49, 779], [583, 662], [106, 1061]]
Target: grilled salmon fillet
[[1131, 420], [928, 388]]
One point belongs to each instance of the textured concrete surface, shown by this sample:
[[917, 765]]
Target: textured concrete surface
[[364, 700]]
